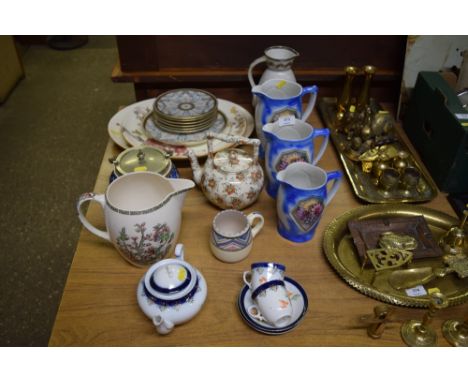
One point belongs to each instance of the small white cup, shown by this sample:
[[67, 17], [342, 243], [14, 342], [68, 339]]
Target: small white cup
[[263, 272], [232, 234], [272, 304]]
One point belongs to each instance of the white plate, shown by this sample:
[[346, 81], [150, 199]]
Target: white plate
[[126, 128]]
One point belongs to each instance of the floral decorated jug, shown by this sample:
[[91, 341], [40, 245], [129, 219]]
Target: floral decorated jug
[[290, 143], [142, 212], [281, 98], [302, 197], [279, 60], [231, 178]]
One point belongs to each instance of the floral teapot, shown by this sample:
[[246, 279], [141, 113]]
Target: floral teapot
[[171, 292], [232, 178]]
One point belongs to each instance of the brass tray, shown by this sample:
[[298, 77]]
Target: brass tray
[[344, 258], [362, 183]]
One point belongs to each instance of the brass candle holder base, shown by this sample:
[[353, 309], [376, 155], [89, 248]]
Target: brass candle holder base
[[414, 333], [419, 333], [455, 332]]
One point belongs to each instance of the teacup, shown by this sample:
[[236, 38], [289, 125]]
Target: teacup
[[262, 273], [232, 234], [272, 304]]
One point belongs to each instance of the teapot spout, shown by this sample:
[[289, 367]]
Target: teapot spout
[[197, 170], [163, 326]]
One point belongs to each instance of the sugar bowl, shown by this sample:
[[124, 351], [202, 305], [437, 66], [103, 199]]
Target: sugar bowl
[[143, 158], [171, 292]]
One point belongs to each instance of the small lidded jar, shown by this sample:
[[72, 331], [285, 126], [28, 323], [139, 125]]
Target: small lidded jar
[[144, 158]]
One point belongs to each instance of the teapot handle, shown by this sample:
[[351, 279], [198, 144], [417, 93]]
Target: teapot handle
[[252, 65], [236, 139]]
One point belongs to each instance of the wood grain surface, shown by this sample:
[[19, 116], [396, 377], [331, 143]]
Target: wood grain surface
[[99, 305]]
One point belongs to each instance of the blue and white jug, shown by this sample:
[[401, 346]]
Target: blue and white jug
[[302, 198], [281, 97], [289, 144]]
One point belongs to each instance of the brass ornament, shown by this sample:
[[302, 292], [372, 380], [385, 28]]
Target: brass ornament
[[376, 322], [419, 333], [456, 332]]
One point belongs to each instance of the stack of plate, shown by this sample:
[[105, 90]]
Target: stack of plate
[[185, 111]]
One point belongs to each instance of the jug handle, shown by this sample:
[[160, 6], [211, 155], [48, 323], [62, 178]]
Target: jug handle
[[313, 90], [325, 133], [336, 177], [252, 65], [90, 196], [238, 140]]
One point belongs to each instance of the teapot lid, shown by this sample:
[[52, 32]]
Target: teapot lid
[[143, 158], [233, 160], [170, 278]]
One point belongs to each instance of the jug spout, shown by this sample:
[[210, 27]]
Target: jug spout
[[180, 186], [268, 131], [258, 91], [197, 170]]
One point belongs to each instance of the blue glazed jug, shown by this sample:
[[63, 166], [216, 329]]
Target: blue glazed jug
[[289, 144], [302, 197], [280, 97]]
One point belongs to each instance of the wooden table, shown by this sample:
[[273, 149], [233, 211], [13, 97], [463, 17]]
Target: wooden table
[[99, 305]]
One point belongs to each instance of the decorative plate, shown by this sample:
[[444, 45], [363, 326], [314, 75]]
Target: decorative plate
[[299, 304], [126, 128], [182, 104], [197, 138]]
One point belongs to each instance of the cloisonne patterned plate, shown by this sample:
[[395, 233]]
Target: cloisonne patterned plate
[[126, 128], [344, 258]]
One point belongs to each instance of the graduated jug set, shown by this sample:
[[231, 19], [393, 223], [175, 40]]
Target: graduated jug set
[[143, 202]]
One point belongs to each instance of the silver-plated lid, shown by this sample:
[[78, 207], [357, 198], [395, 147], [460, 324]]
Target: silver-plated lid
[[143, 158]]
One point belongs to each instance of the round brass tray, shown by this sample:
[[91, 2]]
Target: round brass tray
[[343, 257]]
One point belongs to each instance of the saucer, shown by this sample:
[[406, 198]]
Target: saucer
[[299, 303]]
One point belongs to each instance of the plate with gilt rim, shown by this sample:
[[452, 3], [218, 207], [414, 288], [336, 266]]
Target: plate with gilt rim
[[126, 128]]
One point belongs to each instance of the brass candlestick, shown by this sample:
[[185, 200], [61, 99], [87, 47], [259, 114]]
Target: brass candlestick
[[456, 332], [364, 96], [419, 333], [345, 99], [376, 323]]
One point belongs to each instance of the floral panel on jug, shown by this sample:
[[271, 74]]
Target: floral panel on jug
[[146, 247], [307, 213]]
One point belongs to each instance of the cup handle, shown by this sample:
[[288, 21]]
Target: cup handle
[[336, 177], [256, 227], [325, 133], [252, 65], [90, 196], [313, 90], [254, 312], [247, 282]]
